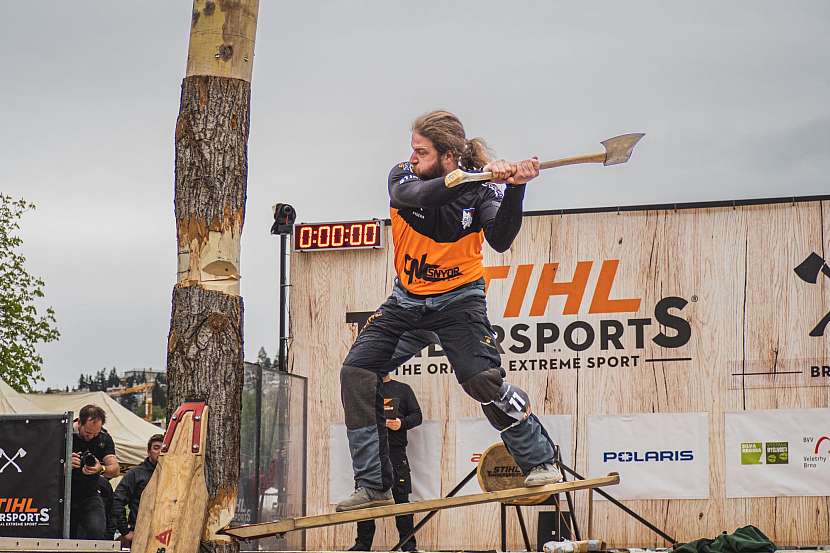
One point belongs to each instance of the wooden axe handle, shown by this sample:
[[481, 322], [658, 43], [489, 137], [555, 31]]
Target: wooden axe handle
[[459, 176]]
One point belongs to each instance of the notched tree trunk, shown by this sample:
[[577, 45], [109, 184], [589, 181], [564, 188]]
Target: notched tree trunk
[[204, 361], [205, 345], [211, 173]]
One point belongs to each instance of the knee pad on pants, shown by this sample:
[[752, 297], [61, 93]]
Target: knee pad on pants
[[510, 408], [359, 394], [484, 387]]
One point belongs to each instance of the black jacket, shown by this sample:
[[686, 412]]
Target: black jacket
[[407, 410], [128, 494]]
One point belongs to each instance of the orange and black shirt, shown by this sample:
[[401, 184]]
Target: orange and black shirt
[[438, 232]]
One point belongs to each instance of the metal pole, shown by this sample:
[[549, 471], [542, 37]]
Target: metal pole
[[281, 364], [571, 510], [523, 527], [67, 474], [257, 441], [572, 517], [503, 519]]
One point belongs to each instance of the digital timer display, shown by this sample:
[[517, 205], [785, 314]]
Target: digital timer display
[[350, 235]]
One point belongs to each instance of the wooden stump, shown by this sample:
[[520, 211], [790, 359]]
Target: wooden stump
[[498, 471]]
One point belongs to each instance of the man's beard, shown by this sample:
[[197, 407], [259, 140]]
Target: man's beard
[[434, 172]]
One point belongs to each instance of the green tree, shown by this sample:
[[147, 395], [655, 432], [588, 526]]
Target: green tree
[[160, 394], [112, 380], [101, 380], [22, 326], [263, 359], [129, 402]]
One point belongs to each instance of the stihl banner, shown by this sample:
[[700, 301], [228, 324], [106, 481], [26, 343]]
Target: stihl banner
[[32, 479]]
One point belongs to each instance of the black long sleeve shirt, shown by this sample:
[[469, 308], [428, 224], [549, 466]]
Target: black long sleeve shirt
[[407, 409], [438, 232]]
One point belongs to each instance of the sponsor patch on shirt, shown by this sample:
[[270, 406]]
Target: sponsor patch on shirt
[[497, 190], [467, 217]]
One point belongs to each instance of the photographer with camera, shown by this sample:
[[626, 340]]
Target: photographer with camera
[[93, 455]]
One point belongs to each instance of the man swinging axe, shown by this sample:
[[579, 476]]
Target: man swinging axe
[[438, 232]]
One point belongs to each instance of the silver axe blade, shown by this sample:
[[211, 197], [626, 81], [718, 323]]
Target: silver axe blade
[[619, 148]]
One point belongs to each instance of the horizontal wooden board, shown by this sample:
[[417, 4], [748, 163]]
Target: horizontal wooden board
[[261, 530]]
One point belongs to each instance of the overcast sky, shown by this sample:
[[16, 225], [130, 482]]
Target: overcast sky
[[733, 97]]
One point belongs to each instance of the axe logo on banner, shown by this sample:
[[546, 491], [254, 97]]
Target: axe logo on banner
[[11, 461], [809, 271]]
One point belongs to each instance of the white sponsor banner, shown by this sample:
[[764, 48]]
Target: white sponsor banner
[[474, 436], [778, 452], [658, 455], [423, 450]]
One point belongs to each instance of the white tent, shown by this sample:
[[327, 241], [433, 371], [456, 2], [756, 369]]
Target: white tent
[[12, 402], [129, 431]]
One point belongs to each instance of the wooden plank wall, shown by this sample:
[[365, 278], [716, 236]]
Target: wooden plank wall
[[733, 265]]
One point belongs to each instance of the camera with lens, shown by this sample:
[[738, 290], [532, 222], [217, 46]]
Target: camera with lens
[[88, 459]]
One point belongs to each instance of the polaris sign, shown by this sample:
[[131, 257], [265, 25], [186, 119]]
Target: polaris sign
[[646, 456], [658, 455]]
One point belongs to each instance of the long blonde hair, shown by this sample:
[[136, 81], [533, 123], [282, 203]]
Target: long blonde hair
[[446, 133]]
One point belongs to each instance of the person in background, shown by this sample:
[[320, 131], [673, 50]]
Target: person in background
[[93, 455], [129, 490]]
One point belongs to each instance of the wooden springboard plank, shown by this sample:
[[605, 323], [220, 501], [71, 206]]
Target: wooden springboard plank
[[264, 529]]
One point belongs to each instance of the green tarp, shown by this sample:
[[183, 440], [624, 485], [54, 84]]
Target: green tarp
[[744, 540]]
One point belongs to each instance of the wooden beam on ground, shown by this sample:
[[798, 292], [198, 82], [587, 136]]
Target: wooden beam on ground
[[265, 529]]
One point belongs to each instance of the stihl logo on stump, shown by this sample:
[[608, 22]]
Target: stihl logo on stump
[[164, 537]]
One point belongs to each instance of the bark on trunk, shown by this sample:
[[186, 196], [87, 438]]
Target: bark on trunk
[[205, 345]]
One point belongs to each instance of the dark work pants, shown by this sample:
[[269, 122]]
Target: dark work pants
[[87, 519], [400, 491], [459, 321], [404, 523]]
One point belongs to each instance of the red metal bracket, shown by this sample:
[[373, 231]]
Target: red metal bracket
[[196, 407]]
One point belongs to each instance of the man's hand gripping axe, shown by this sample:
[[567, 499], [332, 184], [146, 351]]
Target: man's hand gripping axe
[[617, 150]]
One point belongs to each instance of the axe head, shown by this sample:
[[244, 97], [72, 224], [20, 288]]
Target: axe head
[[21, 452], [809, 269], [618, 149]]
